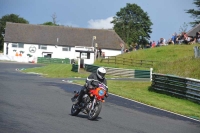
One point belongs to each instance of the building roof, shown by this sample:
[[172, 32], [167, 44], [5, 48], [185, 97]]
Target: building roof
[[60, 35], [193, 31]]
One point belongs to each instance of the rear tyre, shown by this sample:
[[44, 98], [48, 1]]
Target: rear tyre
[[93, 114], [75, 110]]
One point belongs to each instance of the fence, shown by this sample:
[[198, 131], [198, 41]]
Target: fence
[[91, 68], [53, 60], [130, 73], [127, 61], [177, 86]]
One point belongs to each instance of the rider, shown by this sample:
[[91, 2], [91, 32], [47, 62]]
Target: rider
[[99, 75]]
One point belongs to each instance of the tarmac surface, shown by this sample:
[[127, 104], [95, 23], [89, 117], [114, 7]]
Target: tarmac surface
[[30, 103]]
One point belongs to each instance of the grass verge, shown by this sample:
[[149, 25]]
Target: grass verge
[[58, 71], [141, 92]]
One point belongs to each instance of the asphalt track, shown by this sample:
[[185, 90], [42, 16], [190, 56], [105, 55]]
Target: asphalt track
[[30, 103]]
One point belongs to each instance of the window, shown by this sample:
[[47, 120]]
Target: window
[[18, 45], [44, 47], [66, 49], [88, 55], [14, 45], [85, 55]]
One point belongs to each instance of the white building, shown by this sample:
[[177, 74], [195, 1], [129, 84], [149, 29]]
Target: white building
[[26, 42]]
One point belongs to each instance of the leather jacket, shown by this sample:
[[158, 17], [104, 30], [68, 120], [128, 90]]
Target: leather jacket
[[95, 77]]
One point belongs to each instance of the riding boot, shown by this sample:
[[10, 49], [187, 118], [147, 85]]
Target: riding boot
[[80, 96]]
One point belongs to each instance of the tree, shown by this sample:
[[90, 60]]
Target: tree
[[54, 18], [50, 24], [9, 18], [195, 13], [132, 24], [183, 28]]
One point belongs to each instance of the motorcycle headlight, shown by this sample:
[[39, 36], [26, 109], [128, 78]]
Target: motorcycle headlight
[[101, 92]]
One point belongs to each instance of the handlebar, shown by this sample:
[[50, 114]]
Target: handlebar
[[91, 80]]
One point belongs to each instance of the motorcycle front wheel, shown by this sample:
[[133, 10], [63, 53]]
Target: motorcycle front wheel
[[93, 114], [74, 110]]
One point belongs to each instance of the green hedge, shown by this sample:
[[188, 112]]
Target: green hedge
[[53, 60]]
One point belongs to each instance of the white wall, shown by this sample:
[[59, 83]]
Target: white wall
[[57, 52], [111, 52]]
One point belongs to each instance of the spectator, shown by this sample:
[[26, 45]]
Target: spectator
[[162, 42], [126, 50], [147, 45], [100, 52], [150, 44], [175, 36], [179, 38], [170, 41], [158, 44], [131, 48], [186, 39], [173, 39], [191, 40], [153, 44], [122, 48], [137, 46], [198, 36], [103, 54], [185, 36]]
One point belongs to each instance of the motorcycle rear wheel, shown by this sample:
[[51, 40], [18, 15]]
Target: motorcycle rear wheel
[[74, 110], [93, 114]]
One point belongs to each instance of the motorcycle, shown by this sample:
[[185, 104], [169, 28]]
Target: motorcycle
[[91, 103]]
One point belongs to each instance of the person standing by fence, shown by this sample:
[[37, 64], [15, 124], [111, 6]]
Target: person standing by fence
[[122, 48], [100, 52]]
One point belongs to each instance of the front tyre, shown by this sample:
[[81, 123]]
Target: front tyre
[[93, 114], [74, 110]]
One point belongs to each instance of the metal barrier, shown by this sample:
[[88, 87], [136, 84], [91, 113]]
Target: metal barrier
[[91, 68], [142, 74], [75, 67], [53, 60], [120, 72], [177, 86], [130, 73]]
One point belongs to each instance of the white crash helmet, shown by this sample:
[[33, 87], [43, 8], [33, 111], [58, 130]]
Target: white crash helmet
[[101, 72]]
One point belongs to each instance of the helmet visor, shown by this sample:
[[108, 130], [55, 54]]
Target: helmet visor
[[102, 74]]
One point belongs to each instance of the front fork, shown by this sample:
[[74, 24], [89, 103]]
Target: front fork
[[93, 103]]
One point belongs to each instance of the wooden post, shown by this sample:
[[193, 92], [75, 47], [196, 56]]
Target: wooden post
[[151, 72]]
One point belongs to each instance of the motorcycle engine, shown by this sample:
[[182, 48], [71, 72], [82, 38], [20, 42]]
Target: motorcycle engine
[[86, 98]]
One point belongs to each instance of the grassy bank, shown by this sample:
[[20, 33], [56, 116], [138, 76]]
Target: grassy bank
[[173, 59]]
